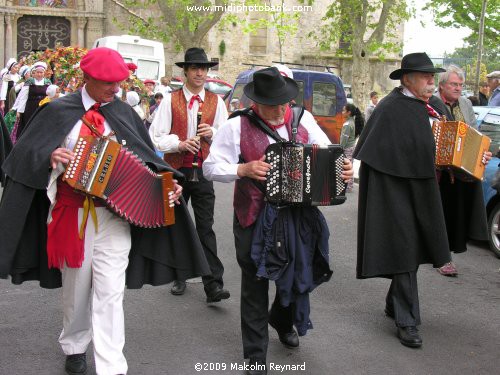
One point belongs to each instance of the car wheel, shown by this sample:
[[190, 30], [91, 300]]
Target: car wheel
[[494, 229]]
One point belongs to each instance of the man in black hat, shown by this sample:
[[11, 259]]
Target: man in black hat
[[237, 154], [401, 221], [183, 128]]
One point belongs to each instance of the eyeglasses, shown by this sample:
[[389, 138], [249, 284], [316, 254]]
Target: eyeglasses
[[455, 84]]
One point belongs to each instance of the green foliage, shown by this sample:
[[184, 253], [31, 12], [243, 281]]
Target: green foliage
[[222, 48], [467, 13], [183, 22], [371, 25]]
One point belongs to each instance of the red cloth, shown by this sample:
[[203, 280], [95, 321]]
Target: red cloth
[[193, 98], [63, 242], [94, 117], [431, 111], [105, 64]]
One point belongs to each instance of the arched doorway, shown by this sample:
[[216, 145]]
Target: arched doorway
[[37, 33]]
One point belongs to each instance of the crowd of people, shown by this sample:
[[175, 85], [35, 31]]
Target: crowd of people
[[67, 239]]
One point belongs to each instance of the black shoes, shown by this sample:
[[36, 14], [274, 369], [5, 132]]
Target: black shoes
[[217, 294], [256, 367], [178, 288], [76, 364], [408, 336], [289, 339]]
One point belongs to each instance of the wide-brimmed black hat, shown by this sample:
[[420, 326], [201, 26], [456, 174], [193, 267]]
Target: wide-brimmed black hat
[[271, 88], [196, 56], [415, 62]]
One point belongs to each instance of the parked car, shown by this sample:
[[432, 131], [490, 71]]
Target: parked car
[[321, 93], [492, 203], [217, 86], [488, 123]]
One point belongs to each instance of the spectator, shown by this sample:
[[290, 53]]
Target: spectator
[[371, 105], [348, 135], [494, 85], [164, 87], [484, 91]]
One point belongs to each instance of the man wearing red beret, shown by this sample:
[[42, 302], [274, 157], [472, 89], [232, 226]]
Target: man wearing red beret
[[49, 231]]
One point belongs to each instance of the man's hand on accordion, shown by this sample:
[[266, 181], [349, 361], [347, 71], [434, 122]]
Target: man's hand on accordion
[[176, 194], [256, 169], [487, 157], [348, 170], [62, 155]]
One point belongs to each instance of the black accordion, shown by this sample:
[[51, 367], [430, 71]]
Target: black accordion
[[305, 174]]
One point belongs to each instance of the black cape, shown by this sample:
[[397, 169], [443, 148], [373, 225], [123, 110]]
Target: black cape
[[401, 214], [5, 147], [157, 256]]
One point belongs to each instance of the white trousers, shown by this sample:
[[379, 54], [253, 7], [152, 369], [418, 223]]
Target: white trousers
[[93, 294]]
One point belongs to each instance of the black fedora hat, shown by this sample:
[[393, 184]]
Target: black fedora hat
[[415, 62], [271, 88], [195, 56]]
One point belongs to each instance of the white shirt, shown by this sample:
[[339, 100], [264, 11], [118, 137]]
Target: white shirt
[[222, 162], [5, 83], [22, 98], [159, 130]]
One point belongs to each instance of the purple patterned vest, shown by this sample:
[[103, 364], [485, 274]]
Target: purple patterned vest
[[248, 199]]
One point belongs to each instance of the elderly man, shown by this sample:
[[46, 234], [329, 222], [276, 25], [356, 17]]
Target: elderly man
[[183, 127], [401, 221], [237, 154], [494, 84], [48, 229], [463, 214]]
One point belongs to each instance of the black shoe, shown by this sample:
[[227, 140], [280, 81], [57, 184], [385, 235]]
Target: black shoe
[[76, 364], [409, 337], [389, 312], [178, 288], [256, 367], [217, 294], [289, 339]]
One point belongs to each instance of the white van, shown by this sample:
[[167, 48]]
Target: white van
[[148, 55]]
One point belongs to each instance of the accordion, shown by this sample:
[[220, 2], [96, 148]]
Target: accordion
[[104, 169], [461, 148], [305, 174]]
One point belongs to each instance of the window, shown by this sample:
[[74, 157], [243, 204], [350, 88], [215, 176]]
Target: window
[[148, 69], [324, 99]]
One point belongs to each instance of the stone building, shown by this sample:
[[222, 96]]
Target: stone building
[[28, 25]]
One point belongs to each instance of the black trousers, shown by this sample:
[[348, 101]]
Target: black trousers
[[402, 299], [255, 301], [202, 198]]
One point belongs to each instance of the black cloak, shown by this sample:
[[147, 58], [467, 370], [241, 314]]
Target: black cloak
[[157, 256], [401, 214], [5, 147]]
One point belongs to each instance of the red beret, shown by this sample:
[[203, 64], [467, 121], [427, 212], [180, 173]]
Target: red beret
[[104, 64], [149, 81]]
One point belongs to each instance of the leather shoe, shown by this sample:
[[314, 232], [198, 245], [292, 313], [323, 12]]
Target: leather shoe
[[217, 294], [408, 336], [257, 367], [289, 339], [178, 288], [76, 364]]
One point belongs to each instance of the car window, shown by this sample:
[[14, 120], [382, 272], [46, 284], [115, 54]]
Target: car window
[[324, 99], [148, 69], [490, 126], [299, 100]]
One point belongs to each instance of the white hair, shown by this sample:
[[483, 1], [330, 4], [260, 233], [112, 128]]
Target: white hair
[[445, 76]]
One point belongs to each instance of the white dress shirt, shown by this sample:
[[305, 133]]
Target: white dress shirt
[[5, 83], [159, 130], [222, 162]]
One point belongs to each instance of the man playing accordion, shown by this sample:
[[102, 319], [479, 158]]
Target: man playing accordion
[[237, 154]]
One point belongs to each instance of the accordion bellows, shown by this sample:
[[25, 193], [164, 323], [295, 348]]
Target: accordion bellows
[[105, 169], [305, 174], [461, 148]]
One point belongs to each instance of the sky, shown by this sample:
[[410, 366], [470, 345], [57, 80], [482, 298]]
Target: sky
[[429, 38]]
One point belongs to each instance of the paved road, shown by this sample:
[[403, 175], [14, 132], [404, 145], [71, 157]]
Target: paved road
[[169, 335]]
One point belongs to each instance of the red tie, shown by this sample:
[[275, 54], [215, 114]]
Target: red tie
[[193, 98], [94, 117], [431, 111]]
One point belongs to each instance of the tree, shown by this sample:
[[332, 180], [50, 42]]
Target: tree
[[183, 22], [370, 29]]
